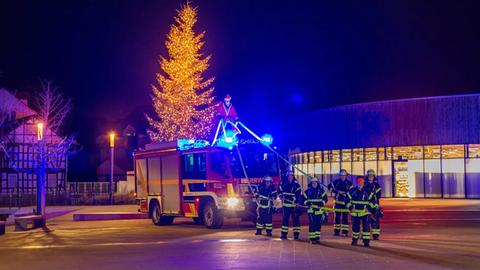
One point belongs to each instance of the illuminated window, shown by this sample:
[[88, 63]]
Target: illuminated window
[[371, 154], [327, 156], [335, 155], [346, 155], [304, 158], [318, 157], [408, 152], [453, 151], [311, 157], [358, 154], [474, 150], [388, 153], [381, 153], [432, 151]]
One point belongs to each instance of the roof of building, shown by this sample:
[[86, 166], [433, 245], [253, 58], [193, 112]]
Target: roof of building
[[416, 121], [12, 103]]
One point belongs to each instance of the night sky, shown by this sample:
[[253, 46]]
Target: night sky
[[276, 58]]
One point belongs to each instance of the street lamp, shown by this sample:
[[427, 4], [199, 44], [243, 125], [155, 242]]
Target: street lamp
[[111, 135], [41, 171], [39, 131]]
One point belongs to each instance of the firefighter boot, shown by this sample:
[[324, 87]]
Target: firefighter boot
[[259, 232], [354, 242], [376, 237], [366, 243], [296, 235], [269, 233], [283, 236]]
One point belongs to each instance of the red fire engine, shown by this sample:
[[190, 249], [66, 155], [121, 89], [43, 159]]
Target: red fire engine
[[189, 178]]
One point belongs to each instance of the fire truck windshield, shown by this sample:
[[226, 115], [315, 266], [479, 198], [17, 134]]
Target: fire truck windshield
[[257, 163]]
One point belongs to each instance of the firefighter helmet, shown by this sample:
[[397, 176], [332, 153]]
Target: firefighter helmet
[[267, 179], [371, 172], [343, 172], [313, 179]]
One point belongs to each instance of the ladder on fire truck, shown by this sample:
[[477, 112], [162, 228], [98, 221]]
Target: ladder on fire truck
[[226, 136]]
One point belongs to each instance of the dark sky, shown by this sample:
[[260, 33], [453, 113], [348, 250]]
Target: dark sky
[[274, 57]]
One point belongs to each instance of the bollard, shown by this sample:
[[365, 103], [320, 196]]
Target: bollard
[[2, 227]]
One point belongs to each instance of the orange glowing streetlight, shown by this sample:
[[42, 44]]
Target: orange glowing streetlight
[[111, 136], [39, 131]]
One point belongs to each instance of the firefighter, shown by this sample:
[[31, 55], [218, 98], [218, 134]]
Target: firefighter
[[360, 203], [339, 188], [265, 194], [290, 192], [315, 200], [374, 188]]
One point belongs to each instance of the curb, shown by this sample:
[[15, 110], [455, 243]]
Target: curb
[[109, 216]]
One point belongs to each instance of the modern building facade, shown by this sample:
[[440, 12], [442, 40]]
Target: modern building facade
[[420, 148]]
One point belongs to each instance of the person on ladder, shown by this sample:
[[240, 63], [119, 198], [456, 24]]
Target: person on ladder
[[265, 195], [290, 192], [339, 188]]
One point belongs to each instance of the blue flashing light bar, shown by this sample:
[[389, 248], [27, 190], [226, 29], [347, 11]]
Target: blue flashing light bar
[[186, 144]]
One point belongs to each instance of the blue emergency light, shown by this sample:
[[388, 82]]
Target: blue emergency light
[[267, 139]]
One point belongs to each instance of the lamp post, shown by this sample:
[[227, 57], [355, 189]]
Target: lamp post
[[112, 152], [41, 171]]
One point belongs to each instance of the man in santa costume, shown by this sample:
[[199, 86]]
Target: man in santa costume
[[226, 111]]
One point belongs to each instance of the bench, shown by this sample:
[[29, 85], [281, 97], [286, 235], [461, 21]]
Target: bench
[[21, 223], [5, 213], [2, 227]]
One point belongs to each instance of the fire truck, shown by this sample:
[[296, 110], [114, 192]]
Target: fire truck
[[190, 178]]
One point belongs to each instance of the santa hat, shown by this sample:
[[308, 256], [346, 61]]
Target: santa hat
[[227, 98]]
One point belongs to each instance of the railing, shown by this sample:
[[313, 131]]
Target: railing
[[76, 193], [90, 187]]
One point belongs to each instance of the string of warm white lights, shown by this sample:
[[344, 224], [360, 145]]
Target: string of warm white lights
[[183, 99]]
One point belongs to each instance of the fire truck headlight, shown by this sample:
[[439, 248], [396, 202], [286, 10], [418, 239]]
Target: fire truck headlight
[[232, 202]]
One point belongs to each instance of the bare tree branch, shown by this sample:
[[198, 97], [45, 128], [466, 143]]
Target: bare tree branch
[[53, 107]]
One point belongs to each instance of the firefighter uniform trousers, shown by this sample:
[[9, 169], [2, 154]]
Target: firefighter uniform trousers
[[315, 199], [362, 218], [264, 219], [375, 189], [314, 226], [289, 211], [376, 222], [360, 202], [291, 193], [341, 217], [339, 188]]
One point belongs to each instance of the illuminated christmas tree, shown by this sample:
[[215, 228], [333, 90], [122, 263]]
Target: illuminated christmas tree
[[183, 99]]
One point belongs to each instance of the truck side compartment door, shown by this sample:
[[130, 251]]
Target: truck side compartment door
[[171, 186]]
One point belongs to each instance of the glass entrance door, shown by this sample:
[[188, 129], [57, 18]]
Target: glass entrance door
[[400, 175]]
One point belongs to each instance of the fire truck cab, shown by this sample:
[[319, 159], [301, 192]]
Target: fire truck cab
[[188, 178]]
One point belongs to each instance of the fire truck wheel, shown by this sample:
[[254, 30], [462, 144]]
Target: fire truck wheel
[[212, 217], [157, 217]]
